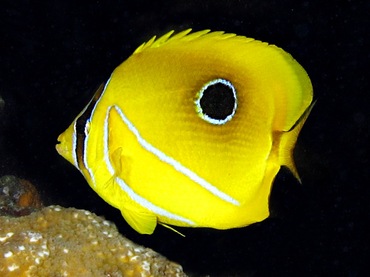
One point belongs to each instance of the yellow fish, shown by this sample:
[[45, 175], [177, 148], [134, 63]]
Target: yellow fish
[[191, 130]]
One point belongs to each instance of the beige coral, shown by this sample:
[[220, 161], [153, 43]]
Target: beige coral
[[60, 241]]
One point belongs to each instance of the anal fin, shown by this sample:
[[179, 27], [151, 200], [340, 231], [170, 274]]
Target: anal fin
[[172, 229], [142, 221]]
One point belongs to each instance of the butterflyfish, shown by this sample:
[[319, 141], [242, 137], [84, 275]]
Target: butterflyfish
[[191, 130]]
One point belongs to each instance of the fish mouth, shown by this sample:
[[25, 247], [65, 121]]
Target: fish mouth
[[59, 146]]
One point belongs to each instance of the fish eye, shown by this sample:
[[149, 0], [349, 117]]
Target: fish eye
[[80, 125], [216, 102]]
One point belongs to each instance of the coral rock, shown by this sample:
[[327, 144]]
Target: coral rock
[[58, 241], [18, 197]]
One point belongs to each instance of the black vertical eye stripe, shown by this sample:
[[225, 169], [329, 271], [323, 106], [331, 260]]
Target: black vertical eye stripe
[[82, 119], [81, 123], [80, 126]]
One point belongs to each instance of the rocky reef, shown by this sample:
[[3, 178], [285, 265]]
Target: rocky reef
[[18, 197], [57, 241]]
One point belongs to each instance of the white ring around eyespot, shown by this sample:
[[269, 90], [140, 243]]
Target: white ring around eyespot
[[199, 109]]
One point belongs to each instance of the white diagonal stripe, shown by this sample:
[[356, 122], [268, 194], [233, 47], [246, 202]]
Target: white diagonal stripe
[[150, 206], [175, 164], [134, 196]]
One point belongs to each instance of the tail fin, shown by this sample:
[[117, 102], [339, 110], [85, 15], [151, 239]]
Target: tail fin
[[288, 140]]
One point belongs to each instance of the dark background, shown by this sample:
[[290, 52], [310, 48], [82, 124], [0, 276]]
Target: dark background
[[53, 55]]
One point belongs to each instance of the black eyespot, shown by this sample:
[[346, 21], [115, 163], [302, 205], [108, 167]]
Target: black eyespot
[[216, 102]]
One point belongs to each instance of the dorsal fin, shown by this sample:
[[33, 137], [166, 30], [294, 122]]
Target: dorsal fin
[[183, 36]]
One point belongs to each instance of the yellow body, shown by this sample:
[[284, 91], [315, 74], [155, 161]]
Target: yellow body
[[147, 151]]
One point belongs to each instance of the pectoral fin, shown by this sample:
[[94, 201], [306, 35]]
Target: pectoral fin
[[116, 161]]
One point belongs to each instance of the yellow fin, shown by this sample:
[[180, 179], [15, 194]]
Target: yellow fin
[[172, 229], [183, 36], [288, 140], [116, 161], [142, 221]]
